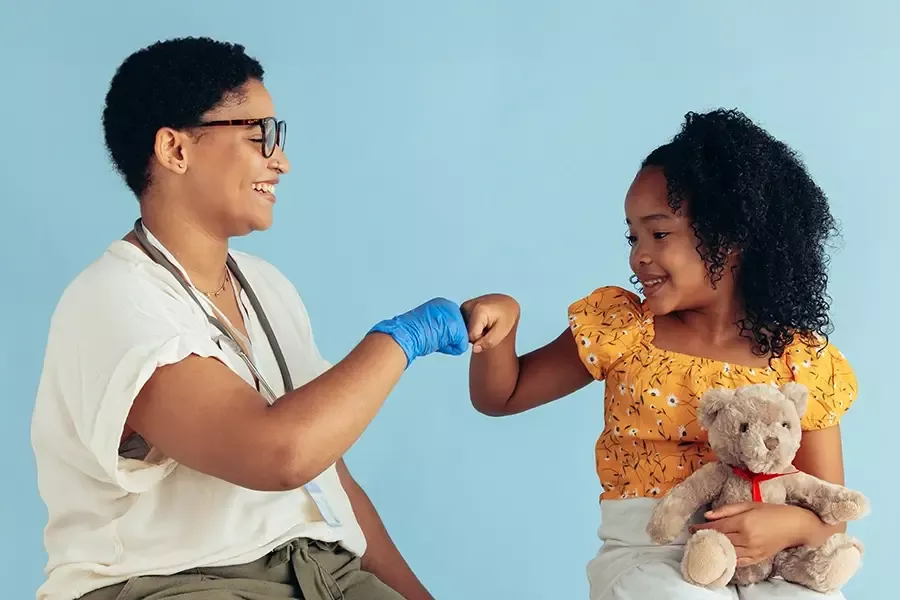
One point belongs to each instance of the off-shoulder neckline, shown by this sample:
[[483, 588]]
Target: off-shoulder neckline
[[648, 329]]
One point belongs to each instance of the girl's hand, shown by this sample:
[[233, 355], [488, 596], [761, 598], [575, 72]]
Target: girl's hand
[[759, 531], [489, 319]]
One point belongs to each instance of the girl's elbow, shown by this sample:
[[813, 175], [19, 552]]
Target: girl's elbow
[[490, 407]]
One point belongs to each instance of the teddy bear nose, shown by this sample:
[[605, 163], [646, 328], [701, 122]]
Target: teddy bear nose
[[771, 443]]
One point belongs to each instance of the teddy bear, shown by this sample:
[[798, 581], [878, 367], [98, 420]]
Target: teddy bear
[[754, 431]]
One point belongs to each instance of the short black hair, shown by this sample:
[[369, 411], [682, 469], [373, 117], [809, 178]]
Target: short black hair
[[747, 191], [170, 83]]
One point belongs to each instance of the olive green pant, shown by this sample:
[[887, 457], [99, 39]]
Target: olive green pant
[[299, 570]]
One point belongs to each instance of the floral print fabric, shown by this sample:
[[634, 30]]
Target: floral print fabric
[[651, 439]]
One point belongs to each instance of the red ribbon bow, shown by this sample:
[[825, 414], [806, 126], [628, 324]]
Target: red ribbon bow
[[756, 479]]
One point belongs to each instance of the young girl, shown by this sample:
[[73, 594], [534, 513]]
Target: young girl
[[727, 234]]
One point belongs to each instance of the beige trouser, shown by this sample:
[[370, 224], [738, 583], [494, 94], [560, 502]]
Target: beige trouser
[[298, 570]]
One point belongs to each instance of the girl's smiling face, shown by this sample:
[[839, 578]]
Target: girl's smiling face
[[664, 250]]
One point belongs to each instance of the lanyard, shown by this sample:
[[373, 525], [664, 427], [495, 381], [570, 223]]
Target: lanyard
[[226, 336], [315, 491]]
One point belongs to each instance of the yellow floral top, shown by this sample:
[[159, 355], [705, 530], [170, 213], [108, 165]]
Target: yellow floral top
[[651, 439]]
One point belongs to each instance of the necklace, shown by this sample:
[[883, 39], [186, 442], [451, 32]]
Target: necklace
[[221, 289]]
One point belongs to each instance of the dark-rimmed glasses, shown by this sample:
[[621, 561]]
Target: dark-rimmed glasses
[[274, 132]]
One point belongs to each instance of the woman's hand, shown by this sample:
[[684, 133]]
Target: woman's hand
[[490, 319], [436, 326], [759, 530]]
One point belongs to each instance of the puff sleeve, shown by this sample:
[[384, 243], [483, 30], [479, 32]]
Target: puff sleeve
[[606, 325], [831, 382]]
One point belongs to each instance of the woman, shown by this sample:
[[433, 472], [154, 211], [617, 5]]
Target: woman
[[187, 432]]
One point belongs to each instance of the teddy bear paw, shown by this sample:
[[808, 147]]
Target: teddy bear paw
[[663, 531], [709, 559], [849, 508], [825, 569], [844, 564]]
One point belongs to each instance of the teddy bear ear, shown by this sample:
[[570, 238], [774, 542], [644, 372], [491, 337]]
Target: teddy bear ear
[[711, 403], [796, 393]]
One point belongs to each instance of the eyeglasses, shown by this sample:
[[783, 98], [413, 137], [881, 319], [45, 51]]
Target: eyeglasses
[[274, 133]]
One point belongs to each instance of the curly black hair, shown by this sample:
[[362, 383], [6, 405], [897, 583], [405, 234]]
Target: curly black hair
[[747, 191], [170, 83]]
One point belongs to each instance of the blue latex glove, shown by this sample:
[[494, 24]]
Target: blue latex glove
[[436, 326]]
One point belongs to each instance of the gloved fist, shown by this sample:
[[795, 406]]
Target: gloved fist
[[436, 326]]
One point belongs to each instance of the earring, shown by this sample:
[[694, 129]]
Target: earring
[[636, 283]]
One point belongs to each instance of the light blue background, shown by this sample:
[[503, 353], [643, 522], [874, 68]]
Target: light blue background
[[456, 149]]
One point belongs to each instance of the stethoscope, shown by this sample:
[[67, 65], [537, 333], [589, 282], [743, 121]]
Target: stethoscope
[[226, 336]]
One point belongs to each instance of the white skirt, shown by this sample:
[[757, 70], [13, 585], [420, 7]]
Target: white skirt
[[629, 566]]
